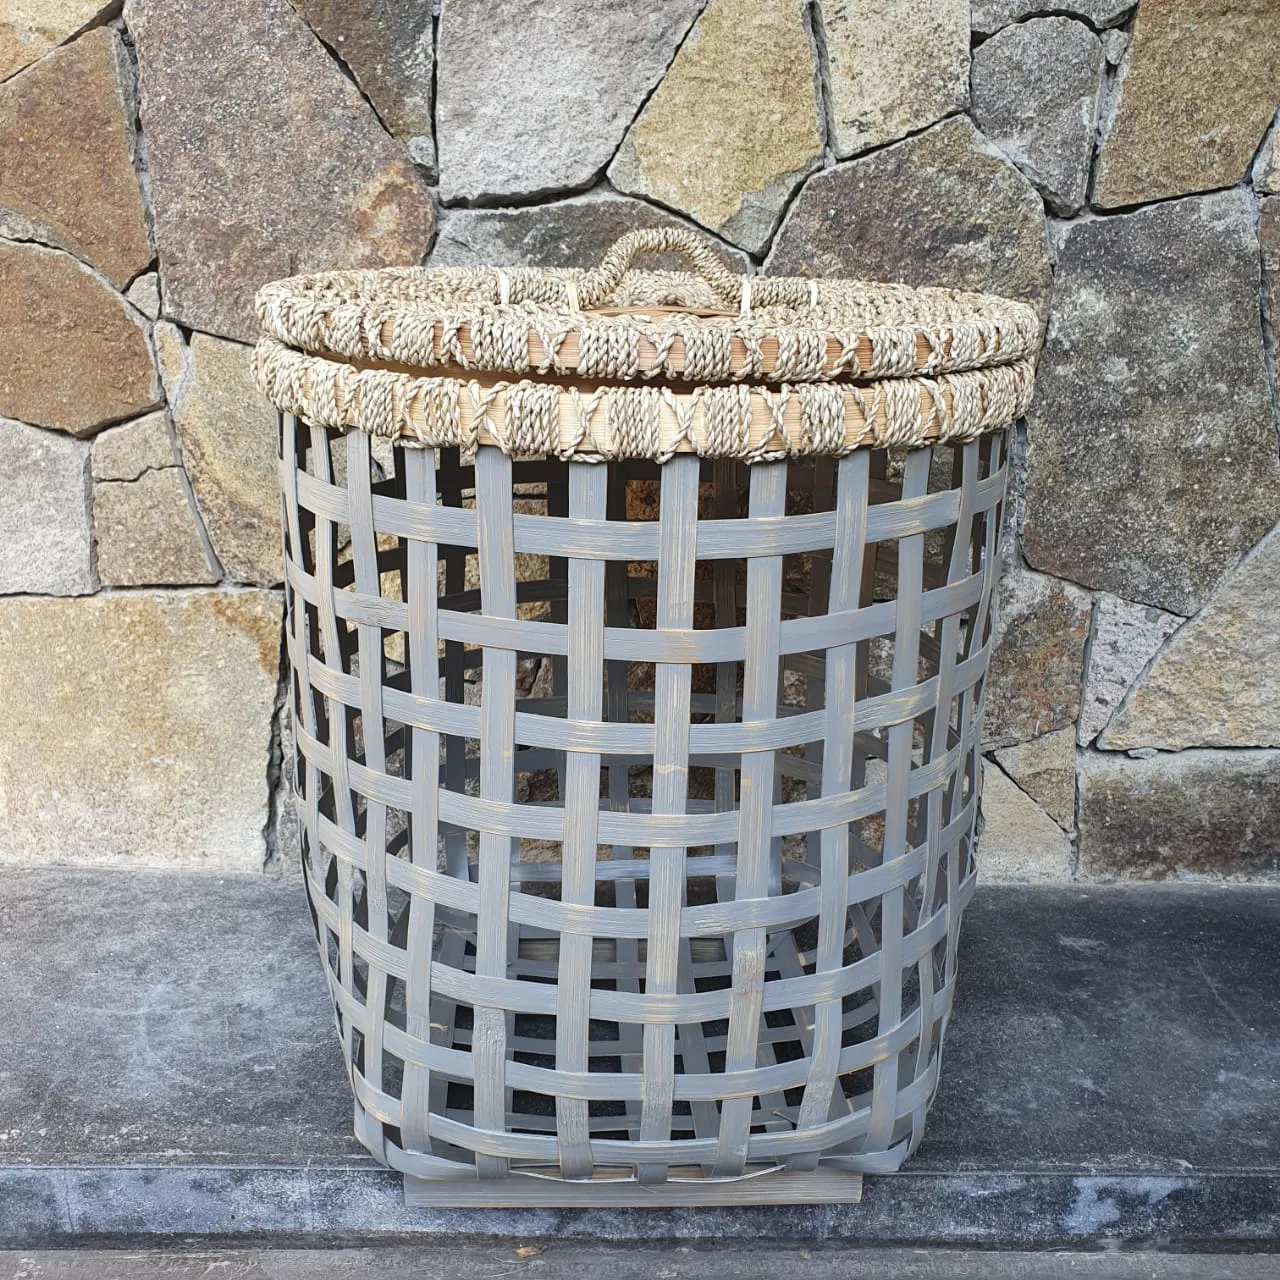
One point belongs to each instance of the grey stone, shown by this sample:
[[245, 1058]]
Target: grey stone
[[892, 69], [1153, 449], [125, 452], [388, 46], [1019, 843], [942, 208], [66, 133], [1124, 639], [1269, 239], [1038, 641], [533, 100], [1266, 170], [989, 16], [736, 123], [1045, 769], [144, 293], [1035, 95], [184, 1026], [45, 537], [1217, 682], [1115, 44], [227, 432], [140, 728], [306, 177], [1214, 812], [147, 533], [1196, 95], [29, 29], [73, 353], [567, 233]]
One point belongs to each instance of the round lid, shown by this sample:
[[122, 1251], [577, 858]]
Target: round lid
[[620, 324]]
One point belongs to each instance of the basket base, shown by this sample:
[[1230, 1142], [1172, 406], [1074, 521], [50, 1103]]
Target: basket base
[[783, 1186]]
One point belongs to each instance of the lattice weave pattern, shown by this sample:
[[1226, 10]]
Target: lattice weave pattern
[[638, 801]]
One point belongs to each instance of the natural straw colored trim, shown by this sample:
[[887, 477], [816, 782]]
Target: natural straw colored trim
[[530, 418], [713, 327]]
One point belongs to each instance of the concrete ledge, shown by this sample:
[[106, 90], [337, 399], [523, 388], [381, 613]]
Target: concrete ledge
[[1112, 1075]]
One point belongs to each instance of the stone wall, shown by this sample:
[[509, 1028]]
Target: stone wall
[[1114, 165]]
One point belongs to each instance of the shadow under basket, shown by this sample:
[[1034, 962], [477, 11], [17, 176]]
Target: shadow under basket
[[638, 806]]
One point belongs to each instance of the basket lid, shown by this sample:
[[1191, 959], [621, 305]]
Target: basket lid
[[621, 324]]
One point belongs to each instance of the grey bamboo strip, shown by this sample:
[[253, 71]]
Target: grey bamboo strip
[[497, 715]]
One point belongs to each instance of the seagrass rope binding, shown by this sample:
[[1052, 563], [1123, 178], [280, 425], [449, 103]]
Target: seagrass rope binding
[[968, 357]]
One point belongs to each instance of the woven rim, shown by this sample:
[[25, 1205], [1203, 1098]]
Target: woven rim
[[614, 322], [589, 422]]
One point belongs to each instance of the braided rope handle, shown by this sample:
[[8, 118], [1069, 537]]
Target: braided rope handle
[[734, 288]]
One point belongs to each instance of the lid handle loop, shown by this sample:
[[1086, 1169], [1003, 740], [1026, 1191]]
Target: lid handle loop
[[730, 285]]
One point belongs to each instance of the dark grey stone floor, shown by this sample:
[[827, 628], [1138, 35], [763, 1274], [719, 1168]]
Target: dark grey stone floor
[[1111, 1077]]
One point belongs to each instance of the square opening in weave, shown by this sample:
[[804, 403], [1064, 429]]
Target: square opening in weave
[[638, 800]]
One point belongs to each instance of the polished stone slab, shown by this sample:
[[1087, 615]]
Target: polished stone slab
[[1111, 1075]]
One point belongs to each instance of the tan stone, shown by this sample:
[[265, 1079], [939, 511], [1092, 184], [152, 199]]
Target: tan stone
[[67, 138], [1045, 768], [1214, 812], [735, 124], [73, 354], [1019, 843], [1217, 683], [171, 356], [124, 453], [138, 734], [30, 28], [893, 69], [228, 436], [264, 159], [1195, 97], [147, 533]]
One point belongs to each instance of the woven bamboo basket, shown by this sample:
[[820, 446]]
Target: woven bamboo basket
[[638, 625]]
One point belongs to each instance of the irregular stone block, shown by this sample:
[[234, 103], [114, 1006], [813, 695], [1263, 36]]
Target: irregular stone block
[[144, 293], [1269, 238], [30, 28], [45, 538], [892, 69], [1199, 811], [1153, 388], [73, 353], [138, 734], [1037, 656], [1266, 172], [1045, 769], [1035, 95], [124, 453], [942, 208], [228, 436], [388, 46], [736, 123], [147, 533], [534, 100], [1018, 842], [1217, 684], [66, 132], [568, 233], [1195, 97], [171, 356], [306, 178], [1125, 638], [989, 16]]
